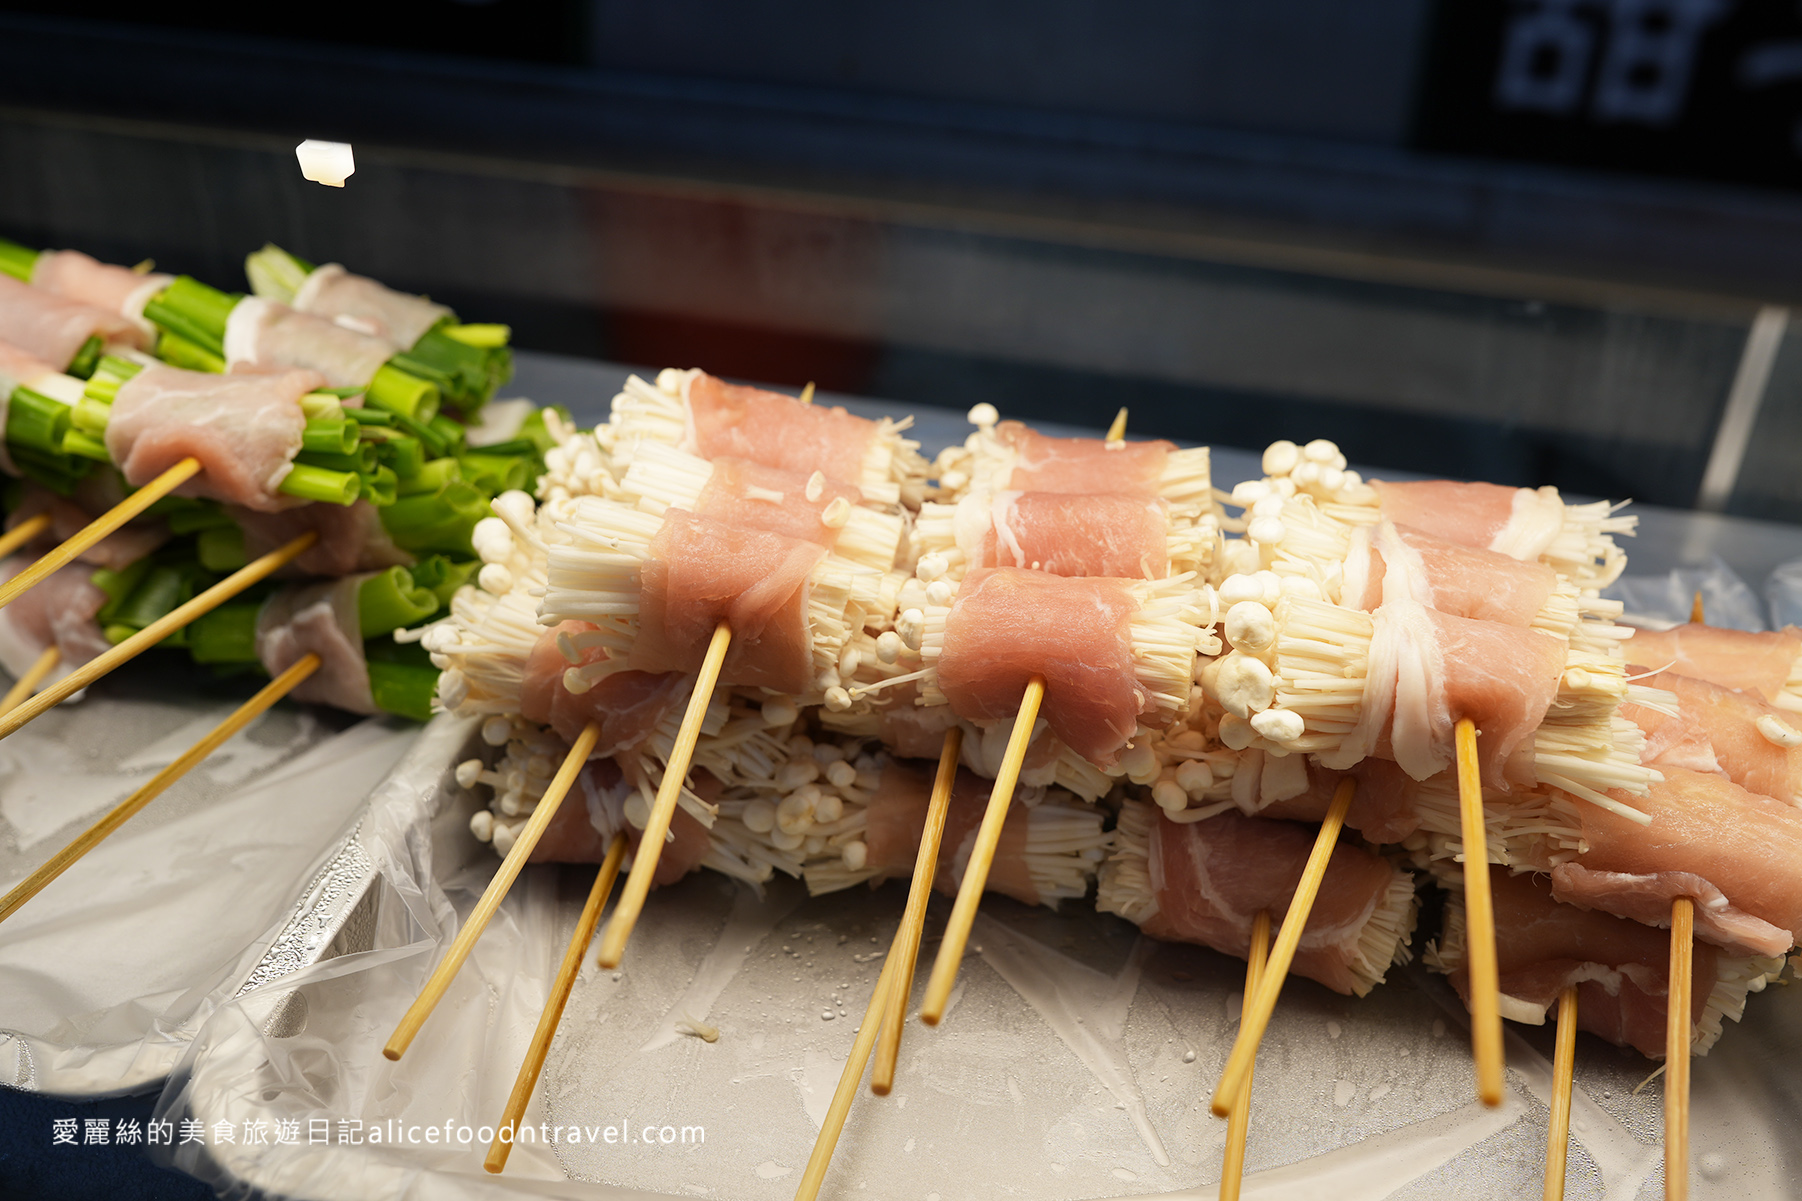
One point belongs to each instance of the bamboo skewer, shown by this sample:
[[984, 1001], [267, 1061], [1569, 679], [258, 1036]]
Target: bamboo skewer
[[1564, 1067], [1255, 1016], [806, 396], [1695, 609], [155, 632], [1117, 431], [496, 892], [22, 533], [1479, 913], [650, 847], [1676, 1051], [982, 857], [100, 527], [1232, 1171], [913, 919], [34, 675], [565, 982], [270, 693]]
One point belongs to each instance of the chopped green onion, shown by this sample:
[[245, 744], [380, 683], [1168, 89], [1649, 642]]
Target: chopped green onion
[[57, 472], [118, 585], [361, 459], [533, 427], [451, 433], [228, 634], [494, 474], [324, 436], [90, 416], [429, 438], [390, 600], [442, 575], [402, 679], [401, 453], [368, 417], [195, 516], [16, 260], [440, 521], [78, 442], [481, 335], [166, 586], [380, 487], [322, 406], [193, 311], [36, 421], [221, 548], [399, 392], [322, 484], [87, 358], [431, 477], [275, 274], [178, 351]]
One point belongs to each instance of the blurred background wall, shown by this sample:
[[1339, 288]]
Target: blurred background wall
[[1535, 241]]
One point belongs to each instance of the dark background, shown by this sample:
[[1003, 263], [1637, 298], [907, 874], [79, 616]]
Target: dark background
[[1385, 223]]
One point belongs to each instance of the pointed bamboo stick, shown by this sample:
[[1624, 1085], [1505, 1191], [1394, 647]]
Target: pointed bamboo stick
[[496, 892], [22, 533], [529, 1070], [1676, 1050], [1232, 1171], [1258, 1008], [1479, 911], [121, 813], [257, 569], [34, 675], [913, 920], [982, 857], [100, 527], [663, 810], [1564, 1068]]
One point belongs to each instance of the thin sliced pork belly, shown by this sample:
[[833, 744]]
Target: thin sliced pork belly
[[1518, 522], [1646, 899], [319, 619], [76, 276], [245, 430], [1747, 847], [1754, 662], [121, 548], [896, 818], [1009, 624], [1462, 581], [1210, 879], [1621, 967], [20, 367], [1068, 534], [262, 336], [1043, 463], [730, 421], [595, 810], [627, 704], [351, 538], [59, 611], [54, 328], [754, 497], [1382, 808], [367, 307], [1449, 668], [1717, 730], [701, 573]]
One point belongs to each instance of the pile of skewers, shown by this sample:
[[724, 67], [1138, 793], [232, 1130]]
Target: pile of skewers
[[737, 623]]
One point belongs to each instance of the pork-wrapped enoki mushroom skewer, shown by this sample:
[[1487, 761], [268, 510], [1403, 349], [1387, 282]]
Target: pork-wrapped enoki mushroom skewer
[[1204, 882], [705, 416], [1736, 734], [1768, 664], [1619, 967], [1576, 540], [1007, 456], [1341, 684], [468, 362]]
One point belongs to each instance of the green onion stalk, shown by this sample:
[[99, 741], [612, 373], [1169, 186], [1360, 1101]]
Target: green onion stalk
[[36, 426], [467, 361], [191, 317], [16, 260]]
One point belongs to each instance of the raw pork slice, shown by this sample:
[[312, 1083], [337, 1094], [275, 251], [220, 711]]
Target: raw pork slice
[[121, 548], [1518, 522], [1210, 878], [1382, 808], [1754, 662], [754, 497], [730, 421], [1398, 562], [897, 815], [701, 573], [627, 704], [595, 810], [54, 329], [264, 336], [1068, 534], [19, 367], [1621, 968], [319, 619], [1449, 668], [1717, 730], [76, 276], [367, 307], [351, 538], [1709, 839], [60, 610], [1043, 463], [1009, 624], [245, 430]]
